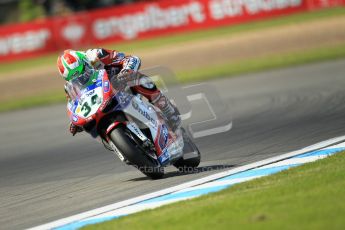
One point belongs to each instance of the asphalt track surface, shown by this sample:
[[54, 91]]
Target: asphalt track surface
[[45, 174]]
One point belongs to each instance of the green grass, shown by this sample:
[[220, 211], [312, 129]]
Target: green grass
[[37, 100], [264, 63], [208, 73], [134, 46], [307, 197]]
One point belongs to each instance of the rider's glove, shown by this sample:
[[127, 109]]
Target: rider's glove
[[119, 83], [74, 129], [122, 79]]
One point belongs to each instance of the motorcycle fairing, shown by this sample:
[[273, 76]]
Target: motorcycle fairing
[[84, 107], [168, 145]]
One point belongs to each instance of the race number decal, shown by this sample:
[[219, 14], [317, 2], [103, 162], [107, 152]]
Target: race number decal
[[90, 102]]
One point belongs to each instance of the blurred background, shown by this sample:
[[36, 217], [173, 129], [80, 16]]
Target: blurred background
[[15, 11], [198, 40], [277, 64]]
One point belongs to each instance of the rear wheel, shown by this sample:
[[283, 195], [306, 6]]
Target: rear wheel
[[187, 165], [191, 155], [133, 153]]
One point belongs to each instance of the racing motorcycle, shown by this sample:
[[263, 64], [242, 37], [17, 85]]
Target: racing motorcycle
[[129, 125]]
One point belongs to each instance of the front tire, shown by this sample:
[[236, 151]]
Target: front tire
[[135, 155]]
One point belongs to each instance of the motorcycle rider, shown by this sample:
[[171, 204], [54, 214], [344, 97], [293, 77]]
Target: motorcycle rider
[[124, 67]]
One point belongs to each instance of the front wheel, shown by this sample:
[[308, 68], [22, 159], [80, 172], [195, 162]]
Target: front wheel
[[134, 154]]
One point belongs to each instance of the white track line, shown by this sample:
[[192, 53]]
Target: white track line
[[217, 183], [118, 205], [294, 161], [140, 207]]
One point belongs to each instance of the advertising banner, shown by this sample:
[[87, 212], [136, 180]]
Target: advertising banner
[[26, 40], [140, 21]]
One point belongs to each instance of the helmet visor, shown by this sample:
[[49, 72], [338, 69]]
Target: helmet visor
[[82, 79]]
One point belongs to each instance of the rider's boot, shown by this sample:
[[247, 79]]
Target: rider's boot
[[148, 89], [169, 110]]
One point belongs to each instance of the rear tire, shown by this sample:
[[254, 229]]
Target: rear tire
[[135, 155], [189, 164], [186, 165]]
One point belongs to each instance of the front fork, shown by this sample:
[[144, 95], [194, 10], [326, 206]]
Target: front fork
[[108, 144]]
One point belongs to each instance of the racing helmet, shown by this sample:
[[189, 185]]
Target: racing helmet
[[71, 64]]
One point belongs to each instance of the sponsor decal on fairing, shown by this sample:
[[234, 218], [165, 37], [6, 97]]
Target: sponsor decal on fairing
[[143, 112], [163, 136], [164, 157], [106, 86], [75, 118]]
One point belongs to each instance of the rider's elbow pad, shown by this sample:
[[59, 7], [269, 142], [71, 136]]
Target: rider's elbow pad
[[133, 63]]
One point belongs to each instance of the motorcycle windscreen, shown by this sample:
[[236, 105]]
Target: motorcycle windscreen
[[87, 91]]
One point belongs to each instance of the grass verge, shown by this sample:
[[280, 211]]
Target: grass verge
[[134, 46], [307, 197], [264, 63], [208, 73], [37, 100]]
